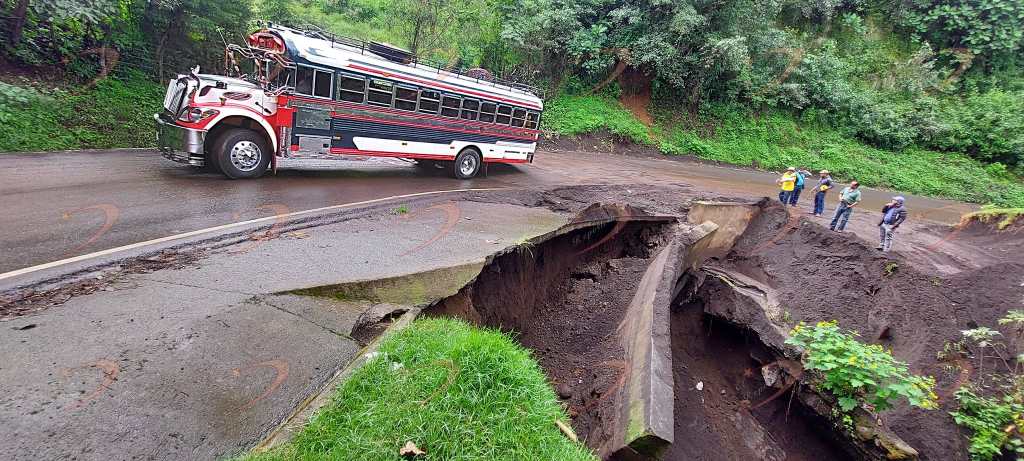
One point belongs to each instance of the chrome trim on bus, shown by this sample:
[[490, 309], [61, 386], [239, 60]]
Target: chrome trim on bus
[[180, 144]]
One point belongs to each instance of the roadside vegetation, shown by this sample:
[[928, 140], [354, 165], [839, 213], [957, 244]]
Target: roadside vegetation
[[456, 392], [1003, 218], [925, 96], [776, 140], [114, 113]]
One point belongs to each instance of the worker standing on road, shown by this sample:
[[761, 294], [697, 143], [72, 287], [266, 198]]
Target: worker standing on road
[[893, 214], [848, 198], [824, 184], [801, 175], [786, 184]]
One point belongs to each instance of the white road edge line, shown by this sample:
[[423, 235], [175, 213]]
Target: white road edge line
[[109, 251]]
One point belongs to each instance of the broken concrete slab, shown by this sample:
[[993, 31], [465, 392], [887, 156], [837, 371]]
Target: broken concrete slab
[[732, 219], [649, 392]]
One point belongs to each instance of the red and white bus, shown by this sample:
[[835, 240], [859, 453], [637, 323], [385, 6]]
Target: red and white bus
[[311, 95]]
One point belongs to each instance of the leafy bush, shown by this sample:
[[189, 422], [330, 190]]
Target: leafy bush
[[858, 373], [990, 420]]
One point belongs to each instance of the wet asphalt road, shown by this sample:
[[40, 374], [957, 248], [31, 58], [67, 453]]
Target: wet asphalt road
[[59, 205]]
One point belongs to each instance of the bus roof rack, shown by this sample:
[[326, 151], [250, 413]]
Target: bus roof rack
[[395, 54]]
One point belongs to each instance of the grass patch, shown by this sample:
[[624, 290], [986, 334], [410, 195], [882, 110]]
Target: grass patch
[[776, 140], [575, 115], [457, 392], [115, 113], [1005, 216]]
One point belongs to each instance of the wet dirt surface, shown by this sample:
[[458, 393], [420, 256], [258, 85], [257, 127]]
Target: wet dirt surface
[[59, 205], [898, 302], [733, 415]]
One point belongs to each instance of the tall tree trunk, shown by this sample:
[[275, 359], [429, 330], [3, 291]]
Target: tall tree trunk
[[19, 17]]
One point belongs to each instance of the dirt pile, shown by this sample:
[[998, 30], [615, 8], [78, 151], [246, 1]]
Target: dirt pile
[[821, 275]]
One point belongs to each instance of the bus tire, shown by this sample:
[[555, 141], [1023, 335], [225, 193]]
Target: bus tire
[[242, 154], [467, 164]]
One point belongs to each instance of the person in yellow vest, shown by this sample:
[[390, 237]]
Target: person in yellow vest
[[786, 185]]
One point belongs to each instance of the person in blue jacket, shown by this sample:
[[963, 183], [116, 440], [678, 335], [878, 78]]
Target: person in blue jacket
[[801, 174], [893, 214]]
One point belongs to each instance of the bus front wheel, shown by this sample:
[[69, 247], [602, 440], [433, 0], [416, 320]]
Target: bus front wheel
[[242, 154], [467, 164]]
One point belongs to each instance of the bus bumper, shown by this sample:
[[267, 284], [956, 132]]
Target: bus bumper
[[180, 144]]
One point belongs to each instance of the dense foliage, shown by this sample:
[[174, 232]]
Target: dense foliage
[[858, 373], [777, 139], [114, 113], [902, 81]]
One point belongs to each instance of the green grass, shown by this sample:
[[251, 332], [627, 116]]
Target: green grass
[[774, 141], [576, 115], [1005, 216], [115, 113], [457, 392]]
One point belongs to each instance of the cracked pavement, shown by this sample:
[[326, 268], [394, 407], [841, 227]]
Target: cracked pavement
[[202, 361]]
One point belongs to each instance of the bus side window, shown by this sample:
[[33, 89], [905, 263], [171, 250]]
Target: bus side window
[[504, 115], [405, 98], [519, 118], [450, 106], [531, 120], [322, 83], [487, 110], [470, 107], [430, 101], [380, 92], [304, 80], [351, 88]]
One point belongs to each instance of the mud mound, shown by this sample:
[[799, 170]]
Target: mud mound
[[822, 275]]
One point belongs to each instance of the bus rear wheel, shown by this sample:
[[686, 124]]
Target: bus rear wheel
[[467, 164], [242, 154]]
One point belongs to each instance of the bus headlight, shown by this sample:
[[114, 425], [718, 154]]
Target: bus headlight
[[196, 114]]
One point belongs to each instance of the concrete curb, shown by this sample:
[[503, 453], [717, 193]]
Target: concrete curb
[[293, 424], [647, 407]]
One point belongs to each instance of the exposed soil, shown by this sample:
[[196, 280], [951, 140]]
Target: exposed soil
[[822, 275], [734, 415], [564, 299], [600, 141]]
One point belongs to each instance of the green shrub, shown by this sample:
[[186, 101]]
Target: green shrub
[[775, 140], [858, 373], [990, 420]]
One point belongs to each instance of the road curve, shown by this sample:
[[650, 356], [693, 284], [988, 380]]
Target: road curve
[[65, 204]]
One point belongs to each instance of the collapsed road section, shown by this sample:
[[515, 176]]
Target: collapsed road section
[[665, 338], [662, 332]]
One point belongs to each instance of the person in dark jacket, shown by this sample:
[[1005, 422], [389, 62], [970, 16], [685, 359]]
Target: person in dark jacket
[[893, 214]]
